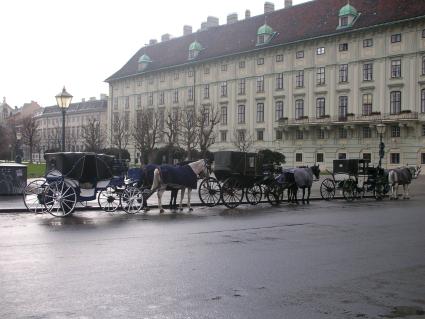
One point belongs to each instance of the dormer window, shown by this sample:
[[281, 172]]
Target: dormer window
[[194, 49], [264, 34], [144, 62], [347, 16]]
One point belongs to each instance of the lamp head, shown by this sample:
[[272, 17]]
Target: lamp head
[[63, 99], [380, 128]]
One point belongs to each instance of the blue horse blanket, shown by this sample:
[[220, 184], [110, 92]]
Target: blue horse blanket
[[179, 175]]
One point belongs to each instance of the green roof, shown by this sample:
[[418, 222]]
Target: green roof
[[264, 29], [348, 10], [195, 46], [145, 59]]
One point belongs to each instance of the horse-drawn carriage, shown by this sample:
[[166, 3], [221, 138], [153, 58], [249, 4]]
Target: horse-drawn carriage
[[73, 178], [354, 178]]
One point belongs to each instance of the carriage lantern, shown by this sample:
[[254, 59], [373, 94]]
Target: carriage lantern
[[380, 128], [64, 100]]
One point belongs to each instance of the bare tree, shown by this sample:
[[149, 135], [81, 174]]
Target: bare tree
[[120, 132], [189, 131], [30, 136], [7, 143], [93, 136], [146, 132], [207, 121], [242, 140], [171, 127]]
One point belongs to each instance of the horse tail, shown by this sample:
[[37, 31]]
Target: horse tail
[[392, 177], [156, 179]]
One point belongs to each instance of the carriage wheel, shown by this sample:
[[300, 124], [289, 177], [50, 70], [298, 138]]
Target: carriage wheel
[[273, 193], [254, 194], [209, 192], [60, 199], [231, 193], [34, 196], [349, 190], [109, 200], [327, 189], [132, 200]]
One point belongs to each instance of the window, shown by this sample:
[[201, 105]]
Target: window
[[344, 21], [298, 157], [320, 134], [260, 84], [260, 61], [320, 107], [224, 67], [342, 108], [190, 93], [343, 73], [367, 132], [395, 102], [176, 75], [299, 109], [368, 72], [161, 98], [299, 54], [115, 103], [241, 87], [261, 39], [299, 79], [423, 101], [396, 38], [279, 58], [279, 110], [206, 91], [223, 136], [241, 135], [367, 104], [241, 64], [395, 131], [279, 135], [319, 157], [260, 112], [279, 81], [320, 76], [127, 102], [162, 77], [342, 155], [207, 70], [241, 114], [343, 47], [394, 158], [396, 68], [260, 135], [342, 132], [422, 158], [423, 33], [423, 65], [367, 43], [223, 118], [139, 100], [223, 89], [299, 135], [367, 156], [423, 130], [190, 73], [320, 51]]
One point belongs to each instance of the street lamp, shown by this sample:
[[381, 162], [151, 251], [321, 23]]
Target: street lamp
[[64, 100], [380, 128]]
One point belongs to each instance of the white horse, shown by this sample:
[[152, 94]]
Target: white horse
[[180, 177], [402, 176]]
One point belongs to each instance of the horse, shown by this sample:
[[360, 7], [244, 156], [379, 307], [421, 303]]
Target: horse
[[304, 177], [178, 177], [402, 176], [286, 181]]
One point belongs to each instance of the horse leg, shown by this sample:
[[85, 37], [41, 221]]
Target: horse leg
[[303, 195], [295, 194], [396, 191], [181, 199], [160, 192], [308, 195], [406, 191], [189, 191]]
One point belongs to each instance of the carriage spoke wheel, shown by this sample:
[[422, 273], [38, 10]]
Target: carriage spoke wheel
[[34, 196], [327, 189], [231, 193], [132, 200], [254, 194], [349, 190], [209, 192], [273, 193], [109, 199], [60, 199]]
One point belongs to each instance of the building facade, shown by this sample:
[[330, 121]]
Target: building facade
[[311, 81], [77, 115]]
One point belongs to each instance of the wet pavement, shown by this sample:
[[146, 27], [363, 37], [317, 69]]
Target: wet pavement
[[323, 260]]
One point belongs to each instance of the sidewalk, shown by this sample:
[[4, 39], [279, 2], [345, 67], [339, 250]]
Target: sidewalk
[[9, 204]]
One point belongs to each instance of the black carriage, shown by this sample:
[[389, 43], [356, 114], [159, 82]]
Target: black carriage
[[73, 177], [354, 177]]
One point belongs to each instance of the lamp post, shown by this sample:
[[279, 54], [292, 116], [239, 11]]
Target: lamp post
[[380, 128], [64, 100]]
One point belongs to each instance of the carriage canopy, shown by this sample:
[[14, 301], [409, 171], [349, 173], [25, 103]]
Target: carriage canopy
[[241, 163], [353, 166]]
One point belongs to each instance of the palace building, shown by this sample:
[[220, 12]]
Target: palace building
[[311, 81]]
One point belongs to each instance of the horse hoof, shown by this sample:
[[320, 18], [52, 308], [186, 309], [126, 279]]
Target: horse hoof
[[190, 209], [161, 211]]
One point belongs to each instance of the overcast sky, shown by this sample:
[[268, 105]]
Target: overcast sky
[[46, 44]]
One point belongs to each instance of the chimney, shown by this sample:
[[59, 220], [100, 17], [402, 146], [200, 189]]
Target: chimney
[[232, 18], [187, 29], [203, 26], [268, 7], [212, 22], [153, 41], [247, 14], [83, 99], [93, 98], [165, 37], [288, 3]]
